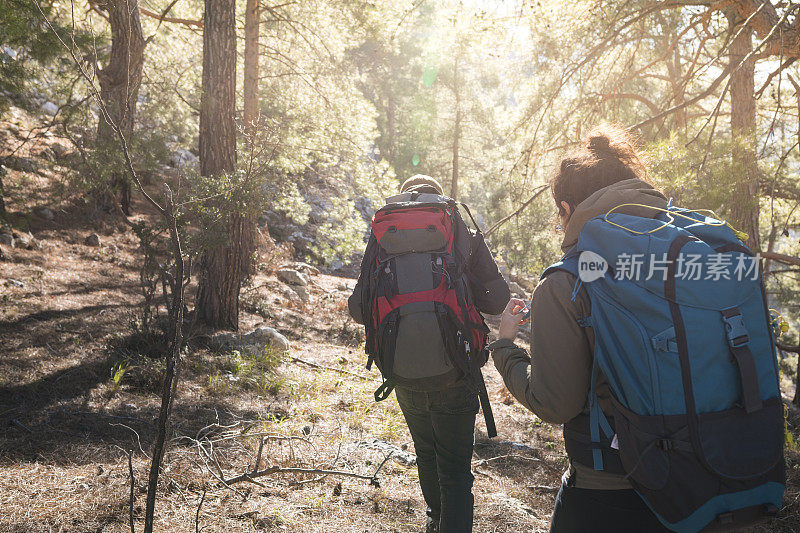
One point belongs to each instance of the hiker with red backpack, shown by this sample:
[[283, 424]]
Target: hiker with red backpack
[[425, 279], [651, 342]]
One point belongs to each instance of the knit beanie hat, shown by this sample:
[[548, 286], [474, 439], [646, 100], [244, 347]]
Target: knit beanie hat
[[421, 183]]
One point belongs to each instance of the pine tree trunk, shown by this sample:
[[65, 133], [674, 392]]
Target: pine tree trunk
[[251, 31], [225, 266], [744, 197], [121, 78], [218, 99], [456, 133]]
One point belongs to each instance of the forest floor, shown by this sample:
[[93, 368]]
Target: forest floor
[[78, 398]]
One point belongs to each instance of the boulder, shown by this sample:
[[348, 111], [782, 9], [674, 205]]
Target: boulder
[[92, 239], [46, 154], [253, 343], [60, 150], [365, 208], [305, 268], [49, 107], [516, 289], [287, 294], [23, 164], [182, 158], [346, 286], [280, 228], [300, 242], [526, 282], [45, 213], [26, 242], [301, 292], [292, 277], [269, 337]]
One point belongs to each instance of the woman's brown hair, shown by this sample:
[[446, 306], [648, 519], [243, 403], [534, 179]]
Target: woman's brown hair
[[607, 156]]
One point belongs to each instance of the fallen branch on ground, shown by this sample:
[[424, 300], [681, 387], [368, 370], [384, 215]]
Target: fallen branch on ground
[[249, 476], [323, 367], [132, 498], [482, 462], [544, 488]]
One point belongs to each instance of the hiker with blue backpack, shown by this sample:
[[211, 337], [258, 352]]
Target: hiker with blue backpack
[[425, 280], [652, 344]]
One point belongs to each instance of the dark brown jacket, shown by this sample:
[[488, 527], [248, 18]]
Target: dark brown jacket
[[553, 381]]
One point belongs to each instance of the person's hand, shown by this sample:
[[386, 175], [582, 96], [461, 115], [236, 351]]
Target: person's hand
[[510, 321]]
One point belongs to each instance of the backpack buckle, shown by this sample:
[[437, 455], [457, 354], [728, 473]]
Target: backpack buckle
[[735, 328], [725, 518]]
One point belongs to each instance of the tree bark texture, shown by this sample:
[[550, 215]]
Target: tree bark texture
[[218, 99], [121, 77], [782, 35], [223, 270], [227, 264], [251, 32], [745, 193], [456, 131]]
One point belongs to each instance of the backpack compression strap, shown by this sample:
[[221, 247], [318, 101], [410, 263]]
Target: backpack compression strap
[[738, 341], [474, 369]]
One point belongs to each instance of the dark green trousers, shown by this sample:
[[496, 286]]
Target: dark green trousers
[[442, 424]]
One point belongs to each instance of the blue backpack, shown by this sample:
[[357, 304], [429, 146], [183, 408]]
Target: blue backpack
[[697, 424]]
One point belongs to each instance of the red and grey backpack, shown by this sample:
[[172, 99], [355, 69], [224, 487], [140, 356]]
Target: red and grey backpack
[[423, 330]]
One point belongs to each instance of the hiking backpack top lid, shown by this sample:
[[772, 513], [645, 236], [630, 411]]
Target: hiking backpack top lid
[[683, 337], [423, 329]]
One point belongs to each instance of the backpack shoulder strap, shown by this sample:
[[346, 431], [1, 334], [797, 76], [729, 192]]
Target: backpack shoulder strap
[[567, 263], [462, 204]]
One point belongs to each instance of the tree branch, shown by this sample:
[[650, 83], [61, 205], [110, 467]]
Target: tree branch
[[787, 347], [164, 18], [517, 212], [781, 258]]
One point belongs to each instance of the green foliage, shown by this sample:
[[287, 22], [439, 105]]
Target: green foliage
[[246, 371], [105, 160], [117, 373], [27, 42]]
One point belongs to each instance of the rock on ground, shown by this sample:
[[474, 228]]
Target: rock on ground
[[305, 268], [92, 239], [60, 150], [253, 343], [45, 213], [25, 241], [301, 292], [292, 277], [516, 289]]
